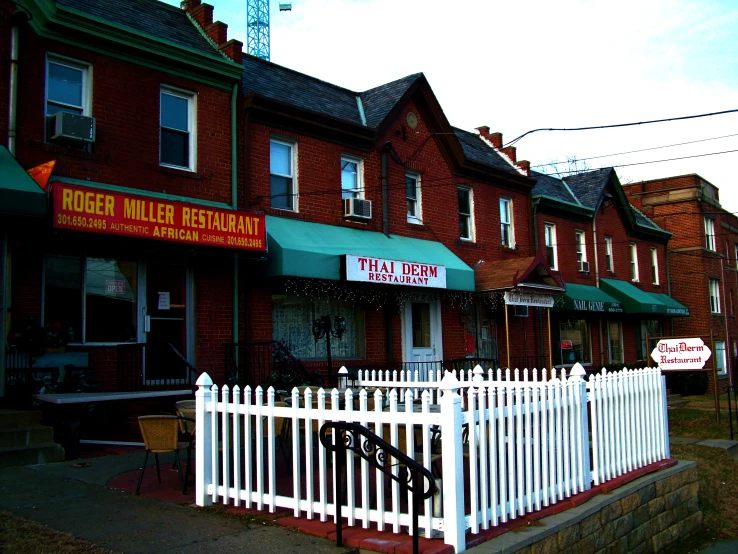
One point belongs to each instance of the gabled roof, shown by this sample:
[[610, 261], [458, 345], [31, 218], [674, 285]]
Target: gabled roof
[[379, 101], [589, 187], [477, 150], [285, 85], [531, 272], [641, 220], [148, 17], [552, 187]]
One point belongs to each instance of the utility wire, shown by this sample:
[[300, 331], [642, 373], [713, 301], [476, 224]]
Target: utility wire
[[616, 125], [635, 151]]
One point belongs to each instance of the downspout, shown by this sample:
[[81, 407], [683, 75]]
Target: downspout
[[390, 355], [668, 288], [13, 89], [539, 315], [234, 204], [597, 283], [385, 190]]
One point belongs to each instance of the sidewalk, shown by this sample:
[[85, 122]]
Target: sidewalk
[[75, 500]]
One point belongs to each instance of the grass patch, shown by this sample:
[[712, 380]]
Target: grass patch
[[21, 536], [718, 494]]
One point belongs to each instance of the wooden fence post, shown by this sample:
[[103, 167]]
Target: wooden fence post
[[454, 522], [203, 452]]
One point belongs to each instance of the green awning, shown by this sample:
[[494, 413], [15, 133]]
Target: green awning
[[585, 298], [303, 249], [634, 299], [672, 306], [19, 193]]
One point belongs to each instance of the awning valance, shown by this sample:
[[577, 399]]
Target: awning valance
[[313, 250], [634, 300], [673, 307], [585, 298], [19, 193]]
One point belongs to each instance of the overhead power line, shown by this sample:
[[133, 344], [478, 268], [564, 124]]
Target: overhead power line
[[616, 125], [635, 151]]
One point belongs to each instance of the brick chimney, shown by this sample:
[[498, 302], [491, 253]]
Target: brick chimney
[[525, 166], [510, 151], [494, 138], [202, 14]]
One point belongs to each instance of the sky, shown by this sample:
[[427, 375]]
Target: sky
[[527, 64]]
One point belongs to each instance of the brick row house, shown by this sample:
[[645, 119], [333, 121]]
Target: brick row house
[[702, 260], [378, 214], [126, 114]]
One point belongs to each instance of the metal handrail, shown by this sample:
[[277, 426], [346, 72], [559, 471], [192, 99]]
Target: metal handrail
[[378, 452]]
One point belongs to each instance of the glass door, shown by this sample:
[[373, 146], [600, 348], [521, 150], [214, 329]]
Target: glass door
[[166, 325]]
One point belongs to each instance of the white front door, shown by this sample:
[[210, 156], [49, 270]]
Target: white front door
[[422, 335]]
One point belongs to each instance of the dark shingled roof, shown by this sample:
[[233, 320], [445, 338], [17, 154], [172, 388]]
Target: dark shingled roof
[[379, 101], [588, 187], [475, 149], [642, 220], [286, 85], [552, 187], [149, 17]]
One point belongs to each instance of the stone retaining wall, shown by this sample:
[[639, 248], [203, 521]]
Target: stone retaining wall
[[645, 515]]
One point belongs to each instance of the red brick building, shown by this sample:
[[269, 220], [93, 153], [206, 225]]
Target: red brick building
[[702, 258], [613, 261], [358, 185], [136, 245]]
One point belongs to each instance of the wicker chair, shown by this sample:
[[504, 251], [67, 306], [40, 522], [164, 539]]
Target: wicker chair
[[186, 411], [161, 435]]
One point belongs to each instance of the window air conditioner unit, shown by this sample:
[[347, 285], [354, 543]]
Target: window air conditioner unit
[[67, 128], [584, 266], [357, 208], [521, 311]]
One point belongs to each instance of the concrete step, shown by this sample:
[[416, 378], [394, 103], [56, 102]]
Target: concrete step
[[730, 446], [15, 419], [675, 400], [30, 455], [35, 435]]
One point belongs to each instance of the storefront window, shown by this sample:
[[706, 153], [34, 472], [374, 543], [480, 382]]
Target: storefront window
[[615, 336], [652, 327], [574, 342], [292, 320], [103, 289]]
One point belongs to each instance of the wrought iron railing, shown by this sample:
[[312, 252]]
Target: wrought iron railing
[[167, 368], [530, 362]]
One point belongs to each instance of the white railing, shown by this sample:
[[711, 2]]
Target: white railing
[[510, 446]]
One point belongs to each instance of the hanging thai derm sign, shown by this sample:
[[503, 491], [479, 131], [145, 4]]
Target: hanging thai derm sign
[[518, 298], [681, 354], [394, 272], [115, 213]]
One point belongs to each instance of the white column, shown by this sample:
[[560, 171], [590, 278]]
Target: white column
[[203, 452], [454, 523]]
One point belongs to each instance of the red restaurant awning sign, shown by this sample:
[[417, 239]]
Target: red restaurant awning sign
[[102, 211]]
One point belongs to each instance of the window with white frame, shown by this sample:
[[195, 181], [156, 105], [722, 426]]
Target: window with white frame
[[581, 249], [412, 193], [506, 223], [466, 213], [633, 262], [97, 297], [715, 296], [549, 237], [609, 262], [67, 86], [177, 134], [735, 260], [710, 233], [654, 266], [721, 366], [282, 182], [352, 170], [652, 329]]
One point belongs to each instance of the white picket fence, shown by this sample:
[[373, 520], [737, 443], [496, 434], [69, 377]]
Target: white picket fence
[[513, 446]]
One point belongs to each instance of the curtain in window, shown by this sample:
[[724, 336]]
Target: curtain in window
[[292, 320]]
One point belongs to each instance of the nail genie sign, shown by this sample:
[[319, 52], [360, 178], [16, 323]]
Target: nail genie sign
[[681, 354], [394, 272]]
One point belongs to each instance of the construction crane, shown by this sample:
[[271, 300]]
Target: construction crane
[[257, 26]]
